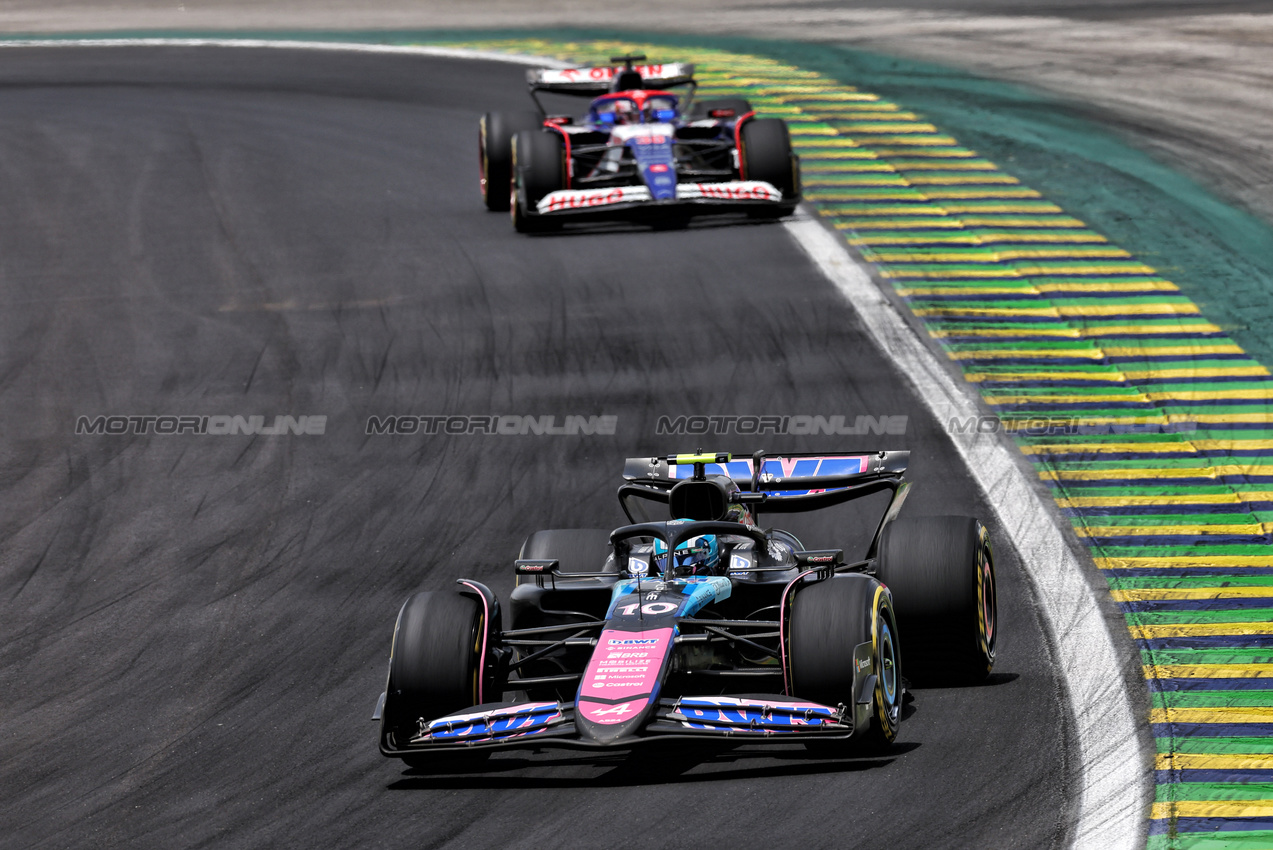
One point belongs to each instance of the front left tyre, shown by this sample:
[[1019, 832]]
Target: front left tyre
[[827, 622], [766, 155]]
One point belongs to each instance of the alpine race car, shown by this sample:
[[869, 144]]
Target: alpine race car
[[640, 150], [695, 623]]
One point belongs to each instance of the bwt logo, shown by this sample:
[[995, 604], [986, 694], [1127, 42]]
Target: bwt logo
[[632, 642], [202, 425], [796, 425], [502, 425]]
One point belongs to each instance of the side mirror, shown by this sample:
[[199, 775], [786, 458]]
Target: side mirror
[[814, 558], [535, 567]]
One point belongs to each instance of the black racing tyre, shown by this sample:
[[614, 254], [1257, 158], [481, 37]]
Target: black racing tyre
[[577, 550], [766, 155], [539, 167], [941, 572], [703, 109], [433, 667], [495, 131], [828, 620]]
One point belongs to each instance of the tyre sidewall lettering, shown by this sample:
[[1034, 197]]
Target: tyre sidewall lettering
[[984, 577], [889, 714]]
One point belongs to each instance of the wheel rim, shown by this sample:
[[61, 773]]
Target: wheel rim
[[888, 663], [512, 188], [986, 590], [482, 163]]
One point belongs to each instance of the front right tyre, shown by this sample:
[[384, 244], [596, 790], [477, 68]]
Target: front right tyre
[[434, 664], [538, 168]]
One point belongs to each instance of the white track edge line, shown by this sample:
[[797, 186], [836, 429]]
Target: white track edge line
[[1113, 797], [1114, 794], [334, 46]]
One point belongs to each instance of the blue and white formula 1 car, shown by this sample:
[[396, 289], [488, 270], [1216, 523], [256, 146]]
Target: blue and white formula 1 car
[[698, 624], [641, 151]]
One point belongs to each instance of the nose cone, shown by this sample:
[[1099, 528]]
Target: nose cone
[[607, 724], [660, 179], [620, 686], [651, 147]]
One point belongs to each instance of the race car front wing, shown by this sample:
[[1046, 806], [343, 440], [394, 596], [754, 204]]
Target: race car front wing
[[742, 192], [735, 720]]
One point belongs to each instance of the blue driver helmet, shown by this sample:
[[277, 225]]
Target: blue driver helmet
[[698, 556], [662, 109]]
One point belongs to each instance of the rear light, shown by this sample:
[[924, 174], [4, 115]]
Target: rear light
[[721, 113], [557, 120]]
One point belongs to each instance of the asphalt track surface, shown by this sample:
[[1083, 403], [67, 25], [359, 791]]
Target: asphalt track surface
[[197, 627]]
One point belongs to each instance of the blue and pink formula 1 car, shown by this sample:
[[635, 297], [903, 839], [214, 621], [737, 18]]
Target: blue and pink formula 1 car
[[642, 151], [695, 623]]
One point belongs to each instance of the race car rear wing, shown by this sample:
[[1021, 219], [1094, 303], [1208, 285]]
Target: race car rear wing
[[782, 476], [793, 482], [596, 81]]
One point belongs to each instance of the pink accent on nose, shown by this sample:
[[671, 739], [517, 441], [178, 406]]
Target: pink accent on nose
[[624, 665], [611, 714]]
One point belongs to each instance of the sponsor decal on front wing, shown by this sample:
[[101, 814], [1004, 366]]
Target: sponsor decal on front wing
[[583, 199], [738, 190]]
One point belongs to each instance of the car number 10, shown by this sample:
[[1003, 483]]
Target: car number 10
[[651, 608]]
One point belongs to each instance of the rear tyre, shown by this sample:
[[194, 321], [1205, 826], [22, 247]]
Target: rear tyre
[[737, 107], [766, 155], [433, 668], [577, 550], [828, 621], [539, 167], [941, 573], [495, 132]]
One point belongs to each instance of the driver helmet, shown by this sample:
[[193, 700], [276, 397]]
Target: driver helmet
[[660, 109], [698, 556], [626, 112]]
